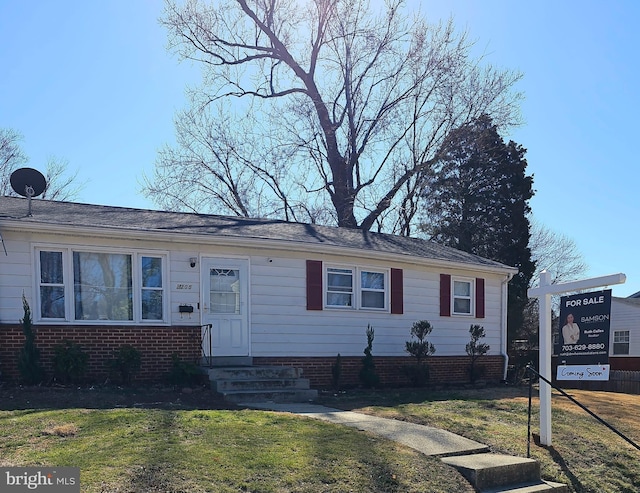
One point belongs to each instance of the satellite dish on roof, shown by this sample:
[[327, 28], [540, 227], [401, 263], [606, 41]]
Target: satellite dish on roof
[[28, 182]]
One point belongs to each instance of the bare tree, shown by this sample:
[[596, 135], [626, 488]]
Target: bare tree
[[560, 256], [556, 253], [61, 185], [347, 106], [11, 157]]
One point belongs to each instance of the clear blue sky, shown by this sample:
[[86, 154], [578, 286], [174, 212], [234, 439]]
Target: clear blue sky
[[92, 82]]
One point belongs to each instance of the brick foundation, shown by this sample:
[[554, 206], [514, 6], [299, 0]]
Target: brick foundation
[[155, 343], [443, 369]]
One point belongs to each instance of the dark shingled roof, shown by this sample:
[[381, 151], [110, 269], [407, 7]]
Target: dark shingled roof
[[56, 213], [628, 301]]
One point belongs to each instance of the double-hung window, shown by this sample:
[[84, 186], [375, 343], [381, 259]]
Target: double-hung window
[[357, 288], [94, 286], [152, 288], [340, 287], [462, 296], [621, 342], [372, 289], [51, 285]]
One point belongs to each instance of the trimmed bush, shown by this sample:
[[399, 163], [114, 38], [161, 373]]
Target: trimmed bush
[[125, 364], [69, 362], [476, 349], [368, 376], [420, 349], [184, 372], [336, 372]]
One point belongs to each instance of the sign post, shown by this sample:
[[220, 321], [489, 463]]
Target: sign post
[[543, 292]]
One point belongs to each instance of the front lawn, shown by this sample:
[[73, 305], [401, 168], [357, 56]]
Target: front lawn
[[585, 455], [170, 446]]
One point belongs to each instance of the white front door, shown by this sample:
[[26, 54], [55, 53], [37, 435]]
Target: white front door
[[225, 284]]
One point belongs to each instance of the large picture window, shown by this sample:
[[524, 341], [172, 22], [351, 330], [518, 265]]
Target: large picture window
[[102, 286], [94, 286], [355, 287]]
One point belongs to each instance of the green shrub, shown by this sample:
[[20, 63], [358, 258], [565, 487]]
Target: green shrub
[[184, 372], [29, 358], [420, 349], [125, 364], [476, 350], [336, 372], [69, 362], [368, 376]]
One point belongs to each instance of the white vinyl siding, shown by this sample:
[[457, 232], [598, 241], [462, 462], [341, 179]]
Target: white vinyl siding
[[625, 319], [280, 324]]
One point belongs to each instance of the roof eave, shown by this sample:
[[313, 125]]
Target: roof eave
[[282, 245]]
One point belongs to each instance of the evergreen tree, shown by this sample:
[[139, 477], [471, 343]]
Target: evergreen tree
[[476, 199], [29, 357], [368, 376]]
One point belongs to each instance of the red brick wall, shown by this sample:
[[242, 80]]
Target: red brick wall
[[156, 345], [443, 369], [628, 363]]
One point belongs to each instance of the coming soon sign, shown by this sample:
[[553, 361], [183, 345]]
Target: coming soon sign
[[583, 343]]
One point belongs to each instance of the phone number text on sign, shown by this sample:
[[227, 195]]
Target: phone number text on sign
[[583, 347]]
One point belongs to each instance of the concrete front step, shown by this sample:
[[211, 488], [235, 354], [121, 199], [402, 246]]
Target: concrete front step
[[253, 372], [217, 361], [501, 473], [532, 488], [252, 396], [260, 384]]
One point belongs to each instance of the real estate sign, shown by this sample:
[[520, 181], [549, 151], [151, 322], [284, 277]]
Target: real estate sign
[[583, 342]]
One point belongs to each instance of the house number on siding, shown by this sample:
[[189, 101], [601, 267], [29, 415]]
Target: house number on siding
[[184, 286]]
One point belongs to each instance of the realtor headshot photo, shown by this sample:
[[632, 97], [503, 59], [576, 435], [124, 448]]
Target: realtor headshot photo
[[570, 330]]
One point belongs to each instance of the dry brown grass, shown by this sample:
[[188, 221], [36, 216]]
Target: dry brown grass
[[61, 430]]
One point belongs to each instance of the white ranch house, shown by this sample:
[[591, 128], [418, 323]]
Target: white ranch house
[[274, 293]]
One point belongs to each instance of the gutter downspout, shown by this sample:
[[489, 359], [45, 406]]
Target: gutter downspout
[[503, 322], [3, 245]]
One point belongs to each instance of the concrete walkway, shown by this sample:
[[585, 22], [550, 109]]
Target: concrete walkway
[[425, 439]]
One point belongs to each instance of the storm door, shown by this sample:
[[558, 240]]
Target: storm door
[[225, 306]]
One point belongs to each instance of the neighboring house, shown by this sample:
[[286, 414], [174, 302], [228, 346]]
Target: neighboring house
[[624, 343], [274, 292]]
